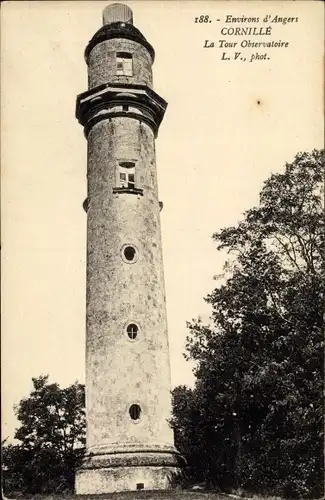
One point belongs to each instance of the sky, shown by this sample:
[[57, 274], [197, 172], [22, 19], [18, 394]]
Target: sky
[[228, 126]]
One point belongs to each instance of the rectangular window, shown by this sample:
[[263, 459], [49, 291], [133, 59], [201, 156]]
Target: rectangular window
[[124, 64], [127, 174]]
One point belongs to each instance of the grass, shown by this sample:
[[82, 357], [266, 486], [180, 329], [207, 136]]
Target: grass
[[147, 495], [135, 495]]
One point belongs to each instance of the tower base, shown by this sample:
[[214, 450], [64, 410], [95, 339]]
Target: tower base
[[109, 480], [142, 470]]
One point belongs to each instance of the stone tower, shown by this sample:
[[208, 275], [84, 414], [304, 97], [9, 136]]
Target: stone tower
[[129, 441]]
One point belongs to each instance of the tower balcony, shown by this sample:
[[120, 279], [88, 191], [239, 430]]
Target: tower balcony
[[110, 100]]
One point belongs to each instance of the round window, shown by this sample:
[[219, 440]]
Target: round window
[[129, 254], [132, 331], [135, 412]]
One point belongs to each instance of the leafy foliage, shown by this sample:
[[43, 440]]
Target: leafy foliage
[[52, 436], [259, 367]]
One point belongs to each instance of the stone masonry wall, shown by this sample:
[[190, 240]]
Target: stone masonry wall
[[121, 372], [102, 63]]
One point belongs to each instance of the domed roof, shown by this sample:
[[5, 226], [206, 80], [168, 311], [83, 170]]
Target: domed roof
[[118, 29]]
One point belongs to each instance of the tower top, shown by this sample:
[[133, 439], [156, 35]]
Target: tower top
[[118, 23], [117, 12]]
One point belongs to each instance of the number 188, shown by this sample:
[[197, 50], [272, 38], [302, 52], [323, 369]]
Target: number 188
[[202, 19]]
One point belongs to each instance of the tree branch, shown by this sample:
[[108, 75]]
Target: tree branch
[[287, 252]]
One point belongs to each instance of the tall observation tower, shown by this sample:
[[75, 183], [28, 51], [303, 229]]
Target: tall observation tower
[[129, 441]]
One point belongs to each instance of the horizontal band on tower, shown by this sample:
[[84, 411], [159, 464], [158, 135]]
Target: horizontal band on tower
[[135, 89], [100, 103], [115, 448], [134, 459]]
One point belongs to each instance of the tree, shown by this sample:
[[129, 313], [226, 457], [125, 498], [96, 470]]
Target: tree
[[259, 366], [187, 425], [52, 439]]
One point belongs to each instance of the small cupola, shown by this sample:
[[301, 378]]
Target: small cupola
[[117, 13]]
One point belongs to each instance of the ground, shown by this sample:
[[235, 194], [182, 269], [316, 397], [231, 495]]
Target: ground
[[147, 495], [134, 495]]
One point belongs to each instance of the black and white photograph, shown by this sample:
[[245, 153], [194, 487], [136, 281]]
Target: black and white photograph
[[162, 249]]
